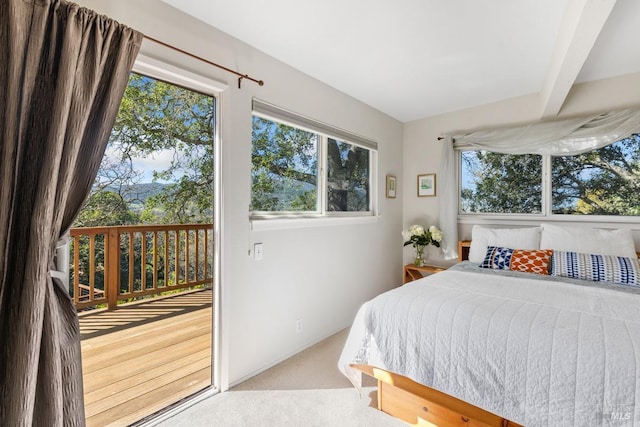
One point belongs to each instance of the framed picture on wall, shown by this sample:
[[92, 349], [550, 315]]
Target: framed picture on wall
[[392, 186], [427, 185]]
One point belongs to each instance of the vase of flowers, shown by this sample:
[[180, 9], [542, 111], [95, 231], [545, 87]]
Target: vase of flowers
[[420, 238]]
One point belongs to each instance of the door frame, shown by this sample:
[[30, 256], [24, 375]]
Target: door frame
[[207, 85]]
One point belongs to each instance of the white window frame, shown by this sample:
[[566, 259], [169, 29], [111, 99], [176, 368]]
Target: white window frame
[[290, 219], [546, 205]]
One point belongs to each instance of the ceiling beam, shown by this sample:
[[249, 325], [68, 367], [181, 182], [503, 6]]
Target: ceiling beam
[[581, 24]]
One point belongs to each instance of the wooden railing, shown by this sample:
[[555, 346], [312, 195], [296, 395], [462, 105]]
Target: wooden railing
[[121, 263]]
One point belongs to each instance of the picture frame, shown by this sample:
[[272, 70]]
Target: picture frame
[[427, 185], [392, 186]]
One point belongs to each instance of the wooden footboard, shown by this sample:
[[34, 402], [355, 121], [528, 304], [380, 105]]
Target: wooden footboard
[[420, 405]]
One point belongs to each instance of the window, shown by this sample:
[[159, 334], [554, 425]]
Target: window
[[605, 181], [347, 177], [500, 183], [601, 182], [303, 167], [284, 174]]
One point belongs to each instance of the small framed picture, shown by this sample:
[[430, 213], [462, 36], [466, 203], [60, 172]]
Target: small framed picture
[[427, 185], [392, 186]]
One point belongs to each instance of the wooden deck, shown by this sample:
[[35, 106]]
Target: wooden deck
[[145, 356]]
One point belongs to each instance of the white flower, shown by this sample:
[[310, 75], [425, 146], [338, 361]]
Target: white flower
[[416, 230], [436, 234], [420, 237]]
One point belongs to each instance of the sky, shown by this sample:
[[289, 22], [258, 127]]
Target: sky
[[159, 160]]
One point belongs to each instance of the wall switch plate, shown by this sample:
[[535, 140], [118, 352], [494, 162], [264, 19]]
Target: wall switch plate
[[257, 251]]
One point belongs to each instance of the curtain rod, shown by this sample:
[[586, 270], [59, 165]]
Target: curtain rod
[[206, 61], [440, 138]]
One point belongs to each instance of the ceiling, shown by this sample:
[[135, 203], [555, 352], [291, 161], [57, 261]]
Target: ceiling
[[418, 58]]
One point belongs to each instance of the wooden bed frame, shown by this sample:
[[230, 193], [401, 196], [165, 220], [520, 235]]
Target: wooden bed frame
[[420, 405]]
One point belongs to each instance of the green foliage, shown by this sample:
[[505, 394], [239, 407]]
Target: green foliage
[[417, 236], [503, 183], [348, 177], [155, 117], [284, 170], [104, 208], [185, 202], [601, 182]]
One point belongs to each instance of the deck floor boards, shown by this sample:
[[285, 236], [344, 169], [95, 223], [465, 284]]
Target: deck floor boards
[[145, 356]]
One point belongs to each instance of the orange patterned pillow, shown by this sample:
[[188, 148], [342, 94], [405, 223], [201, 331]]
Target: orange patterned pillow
[[531, 261]]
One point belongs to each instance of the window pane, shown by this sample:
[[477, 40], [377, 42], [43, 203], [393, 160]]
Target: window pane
[[602, 182], [347, 177], [500, 183], [284, 173]]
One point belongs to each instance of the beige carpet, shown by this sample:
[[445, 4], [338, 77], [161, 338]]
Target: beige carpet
[[305, 390]]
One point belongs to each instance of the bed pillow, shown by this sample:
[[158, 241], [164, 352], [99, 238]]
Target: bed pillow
[[588, 240], [599, 268], [497, 258], [483, 237], [527, 261], [535, 261]]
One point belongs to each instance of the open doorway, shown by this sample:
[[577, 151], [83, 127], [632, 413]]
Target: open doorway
[[142, 252]]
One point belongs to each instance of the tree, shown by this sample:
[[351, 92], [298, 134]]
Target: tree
[[601, 182], [157, 117], [284, 172], [503, 183], [103, 208], [154, 117], [348, 177]]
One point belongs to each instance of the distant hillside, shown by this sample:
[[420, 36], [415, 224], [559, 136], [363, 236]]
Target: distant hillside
[[136, 195]]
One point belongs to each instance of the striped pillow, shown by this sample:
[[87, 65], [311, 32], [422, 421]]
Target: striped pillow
[[599, 268]]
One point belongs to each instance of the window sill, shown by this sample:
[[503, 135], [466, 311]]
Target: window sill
[[258, 224]]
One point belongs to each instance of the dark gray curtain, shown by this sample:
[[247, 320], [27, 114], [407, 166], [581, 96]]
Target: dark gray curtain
[[63, 71]]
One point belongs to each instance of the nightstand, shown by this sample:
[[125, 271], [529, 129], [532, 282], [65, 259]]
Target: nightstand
[[411, 272]]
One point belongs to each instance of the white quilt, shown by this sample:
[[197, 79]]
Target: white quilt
[[536, 352]]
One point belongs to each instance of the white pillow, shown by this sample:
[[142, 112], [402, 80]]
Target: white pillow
[[514, 238], [588, 240]]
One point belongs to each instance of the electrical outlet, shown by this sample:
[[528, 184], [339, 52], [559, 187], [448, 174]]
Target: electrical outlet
[[298, 326], [257, 251]]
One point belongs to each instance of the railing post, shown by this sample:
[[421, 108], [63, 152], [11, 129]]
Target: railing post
[[113, 268]]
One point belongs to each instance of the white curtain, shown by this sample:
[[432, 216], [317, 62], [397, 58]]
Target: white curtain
[[448, 194], [559, 138]]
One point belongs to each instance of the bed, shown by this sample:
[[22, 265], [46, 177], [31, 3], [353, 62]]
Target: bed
[[496, 347]]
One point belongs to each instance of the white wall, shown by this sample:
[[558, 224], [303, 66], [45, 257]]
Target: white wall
[[422, 150], [318, 274]]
